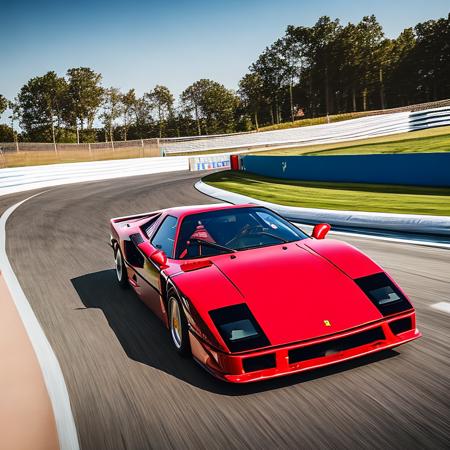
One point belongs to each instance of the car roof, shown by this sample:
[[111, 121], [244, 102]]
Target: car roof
[[182, 211]]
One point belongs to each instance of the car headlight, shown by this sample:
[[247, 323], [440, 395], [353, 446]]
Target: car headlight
[[238, 328], [383, 293]]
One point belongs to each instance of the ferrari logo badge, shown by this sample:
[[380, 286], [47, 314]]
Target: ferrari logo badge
[[327, 323]]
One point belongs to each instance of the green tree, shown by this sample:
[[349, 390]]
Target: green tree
[[322, 57], [40, 105], [270, 67], [6, 133], [432, 57], [84, 97], [293, 48], [401, 77], [212, 105], [14, 117], [162, 100], [111, 111], [192, 98], [128, 101], [3, 104], [348, 66], [369, 37], [251, 91], [142, 116]]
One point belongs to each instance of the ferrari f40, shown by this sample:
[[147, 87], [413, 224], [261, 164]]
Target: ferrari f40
[[250, 296]]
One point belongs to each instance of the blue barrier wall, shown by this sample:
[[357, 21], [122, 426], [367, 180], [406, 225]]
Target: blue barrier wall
[[419, 169]]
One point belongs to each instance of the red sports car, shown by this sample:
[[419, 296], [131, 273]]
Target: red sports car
[[250, 296]]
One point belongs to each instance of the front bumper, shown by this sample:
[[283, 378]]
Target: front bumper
[[235, 368]]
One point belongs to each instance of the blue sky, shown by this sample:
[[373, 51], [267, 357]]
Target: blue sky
[[141, 43]]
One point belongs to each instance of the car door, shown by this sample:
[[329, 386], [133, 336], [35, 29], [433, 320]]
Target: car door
[[149, 274], [134, 257]]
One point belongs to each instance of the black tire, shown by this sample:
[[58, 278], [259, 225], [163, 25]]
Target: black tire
[[121, 269], [179, 335]]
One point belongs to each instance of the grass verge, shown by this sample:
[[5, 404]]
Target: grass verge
[[430, 140], [339, 196]]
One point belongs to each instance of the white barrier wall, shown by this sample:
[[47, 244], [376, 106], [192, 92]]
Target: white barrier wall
[[318, 134], [27, 178]]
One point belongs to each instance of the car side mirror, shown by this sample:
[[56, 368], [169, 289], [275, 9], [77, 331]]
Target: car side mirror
[[153, 254], [159, 258], [321, 230]]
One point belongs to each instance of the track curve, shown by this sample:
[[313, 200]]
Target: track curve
[[129, 389]]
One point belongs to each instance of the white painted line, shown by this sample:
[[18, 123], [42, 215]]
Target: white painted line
[[442, 306], [51, 371]]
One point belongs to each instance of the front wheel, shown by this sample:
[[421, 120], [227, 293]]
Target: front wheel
[[121, 270], [178, 327]]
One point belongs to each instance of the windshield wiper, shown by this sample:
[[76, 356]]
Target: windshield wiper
[[273, 236], [213, 245]]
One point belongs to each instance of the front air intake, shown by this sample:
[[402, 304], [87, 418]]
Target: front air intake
[[336, 345], [401, 325], [259, 362]]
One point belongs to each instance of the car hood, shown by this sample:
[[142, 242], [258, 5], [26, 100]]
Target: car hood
[[296, 291]]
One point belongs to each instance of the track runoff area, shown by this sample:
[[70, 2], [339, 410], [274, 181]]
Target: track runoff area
[[125, 388]]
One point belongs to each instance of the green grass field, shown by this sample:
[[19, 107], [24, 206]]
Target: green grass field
[[339, 196], [431, 140]]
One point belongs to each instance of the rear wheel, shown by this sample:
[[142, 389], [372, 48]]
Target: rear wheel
[[178, 326], [121, 270]]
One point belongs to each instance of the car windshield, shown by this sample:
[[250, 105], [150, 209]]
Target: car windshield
[[229, 230]]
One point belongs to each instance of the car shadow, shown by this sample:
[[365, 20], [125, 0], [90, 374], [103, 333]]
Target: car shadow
[[145, 339]]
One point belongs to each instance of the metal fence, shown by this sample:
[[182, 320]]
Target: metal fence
[[31, 153], [143, 144]]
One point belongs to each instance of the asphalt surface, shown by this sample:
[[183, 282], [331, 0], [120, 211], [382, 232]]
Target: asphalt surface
[[130, 390]]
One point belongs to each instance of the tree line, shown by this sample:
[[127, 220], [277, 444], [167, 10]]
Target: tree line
[[327, 68]]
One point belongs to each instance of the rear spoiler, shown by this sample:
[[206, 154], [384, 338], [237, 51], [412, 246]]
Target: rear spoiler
[[137, 216]]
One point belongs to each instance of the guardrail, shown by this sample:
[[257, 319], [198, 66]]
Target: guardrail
[[353, 129], [21, 179]]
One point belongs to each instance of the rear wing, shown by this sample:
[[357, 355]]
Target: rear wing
[[135, 217]]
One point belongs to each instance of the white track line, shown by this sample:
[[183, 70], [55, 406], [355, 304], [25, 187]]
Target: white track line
[[442, 306], [53, 376]]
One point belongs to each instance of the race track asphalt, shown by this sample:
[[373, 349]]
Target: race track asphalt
[[128, 388]]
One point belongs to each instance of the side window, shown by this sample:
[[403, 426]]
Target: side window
[[164, 238]]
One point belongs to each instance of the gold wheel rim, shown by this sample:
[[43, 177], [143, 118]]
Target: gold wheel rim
[[176, 329]]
